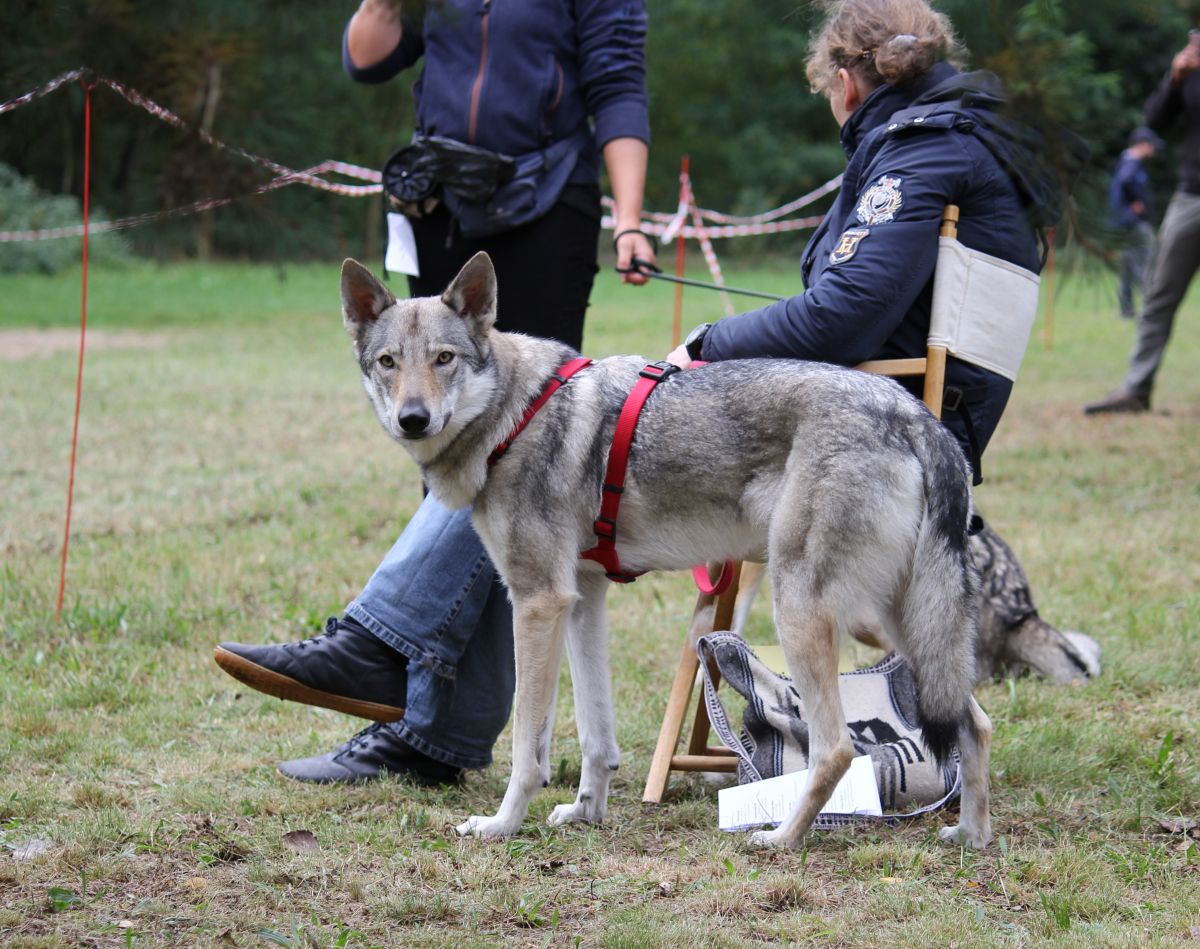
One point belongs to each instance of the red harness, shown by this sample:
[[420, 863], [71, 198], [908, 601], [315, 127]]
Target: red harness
[[605, 526], [557, 381]]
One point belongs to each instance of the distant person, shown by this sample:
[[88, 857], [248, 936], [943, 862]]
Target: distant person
[[426, 648], [1129, 210], [1178, 255]]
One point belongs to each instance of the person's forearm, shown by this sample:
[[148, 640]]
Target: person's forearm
[[374, 32], [626, 160]]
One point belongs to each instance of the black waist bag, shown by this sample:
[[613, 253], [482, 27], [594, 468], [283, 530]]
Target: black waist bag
[[415, 175], [486, 191]]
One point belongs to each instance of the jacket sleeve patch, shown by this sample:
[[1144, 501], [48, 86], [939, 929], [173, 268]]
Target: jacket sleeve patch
[[847, 245], [880, 202]]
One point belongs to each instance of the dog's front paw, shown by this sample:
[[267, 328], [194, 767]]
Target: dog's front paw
[[960, 836], [488, 827], [586, 812]]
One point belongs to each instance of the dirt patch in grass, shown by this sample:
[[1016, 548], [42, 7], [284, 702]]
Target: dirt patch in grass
[[19, 344]]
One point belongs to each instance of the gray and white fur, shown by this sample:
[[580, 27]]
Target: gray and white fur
[[856, 496]]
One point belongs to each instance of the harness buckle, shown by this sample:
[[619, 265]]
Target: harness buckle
[[658, 370], [605, 527]]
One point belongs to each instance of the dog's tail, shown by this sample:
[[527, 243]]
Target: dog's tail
[[940, 604]]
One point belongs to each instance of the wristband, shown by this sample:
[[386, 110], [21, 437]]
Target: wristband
[[637, 230]]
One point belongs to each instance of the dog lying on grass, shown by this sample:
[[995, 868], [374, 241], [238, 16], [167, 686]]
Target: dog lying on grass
[[1012, 636], [856, 496]]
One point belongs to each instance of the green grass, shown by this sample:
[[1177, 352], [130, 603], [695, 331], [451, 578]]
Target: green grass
[[232, 483]]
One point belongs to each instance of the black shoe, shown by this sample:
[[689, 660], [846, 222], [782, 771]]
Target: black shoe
[[372, 753], [1120, 401], [346, 669]]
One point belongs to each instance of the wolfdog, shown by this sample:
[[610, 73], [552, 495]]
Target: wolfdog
[[858, 498]]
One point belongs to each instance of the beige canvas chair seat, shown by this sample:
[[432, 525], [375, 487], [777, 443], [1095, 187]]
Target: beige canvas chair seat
[[983, 313]]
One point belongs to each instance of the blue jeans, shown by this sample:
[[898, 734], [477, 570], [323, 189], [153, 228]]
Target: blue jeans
[[437, 599]]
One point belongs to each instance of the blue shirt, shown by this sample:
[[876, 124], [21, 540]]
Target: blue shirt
[[1130, 184]]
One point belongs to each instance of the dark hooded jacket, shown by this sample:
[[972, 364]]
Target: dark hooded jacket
[[518, 77], [868, 269]]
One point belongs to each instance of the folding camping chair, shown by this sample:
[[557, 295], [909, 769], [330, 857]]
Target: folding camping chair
[[959, 325]]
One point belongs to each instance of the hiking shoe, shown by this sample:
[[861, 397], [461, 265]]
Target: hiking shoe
[[1118, 402], [346, 669], [372, 753]]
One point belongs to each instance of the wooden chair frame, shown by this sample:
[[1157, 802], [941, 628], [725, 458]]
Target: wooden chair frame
[[716, 613]]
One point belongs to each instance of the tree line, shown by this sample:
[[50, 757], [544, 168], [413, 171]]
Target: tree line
[[726, 81]]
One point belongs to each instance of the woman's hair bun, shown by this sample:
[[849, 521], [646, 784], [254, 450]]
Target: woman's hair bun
[[893, 41]]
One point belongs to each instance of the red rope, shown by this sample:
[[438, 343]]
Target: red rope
[[87, 167]]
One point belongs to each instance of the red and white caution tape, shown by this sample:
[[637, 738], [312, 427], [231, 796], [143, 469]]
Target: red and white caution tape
[[666, 226], [100, 227], [49, 87], [706, 248]]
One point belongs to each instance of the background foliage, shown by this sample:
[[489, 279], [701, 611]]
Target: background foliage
[[726, 82]]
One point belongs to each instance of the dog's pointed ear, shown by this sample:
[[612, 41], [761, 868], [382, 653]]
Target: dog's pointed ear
[[472, 294], [363, 297]]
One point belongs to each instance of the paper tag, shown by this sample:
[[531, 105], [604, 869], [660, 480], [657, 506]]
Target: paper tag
[[401, 254], [772, 800]]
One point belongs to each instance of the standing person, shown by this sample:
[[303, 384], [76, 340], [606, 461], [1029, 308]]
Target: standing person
[[1129, 211], [427, 645], [1177, 98]]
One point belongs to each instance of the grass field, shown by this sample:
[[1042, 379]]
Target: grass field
[[233, 484]]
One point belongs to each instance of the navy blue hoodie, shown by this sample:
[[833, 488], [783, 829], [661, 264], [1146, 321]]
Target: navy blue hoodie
[[515, 76], [869, 267]]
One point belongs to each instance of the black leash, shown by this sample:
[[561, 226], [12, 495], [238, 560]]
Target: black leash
[[647, 269]]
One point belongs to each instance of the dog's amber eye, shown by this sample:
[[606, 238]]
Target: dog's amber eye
[[386, 361], [444, 357]]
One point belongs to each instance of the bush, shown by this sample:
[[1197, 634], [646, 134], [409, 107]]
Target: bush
[[24, 208]]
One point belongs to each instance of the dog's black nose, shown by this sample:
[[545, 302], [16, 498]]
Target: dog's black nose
[[413, 419]]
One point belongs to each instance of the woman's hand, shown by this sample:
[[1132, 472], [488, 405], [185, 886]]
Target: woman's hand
[[631, 244], [679, 357]]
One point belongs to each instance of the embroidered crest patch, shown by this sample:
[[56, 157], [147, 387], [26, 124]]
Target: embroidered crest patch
[[848, 245], [881, 201]]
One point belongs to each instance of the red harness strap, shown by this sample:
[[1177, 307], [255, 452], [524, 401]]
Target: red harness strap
[[605, 551], [557, 381]]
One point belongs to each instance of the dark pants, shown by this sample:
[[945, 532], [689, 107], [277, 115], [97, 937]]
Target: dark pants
[[1175, 263], [544, 269], [980, 394]]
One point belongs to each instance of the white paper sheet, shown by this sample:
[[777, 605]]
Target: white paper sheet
[[770, 801], [401, 256]]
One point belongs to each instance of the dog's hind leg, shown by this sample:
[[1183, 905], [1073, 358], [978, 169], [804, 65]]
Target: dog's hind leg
[[974, 828], [539, 627], [587, 652], [810, 643]]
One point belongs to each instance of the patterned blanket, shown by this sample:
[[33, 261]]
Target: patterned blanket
[[881, 717]]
